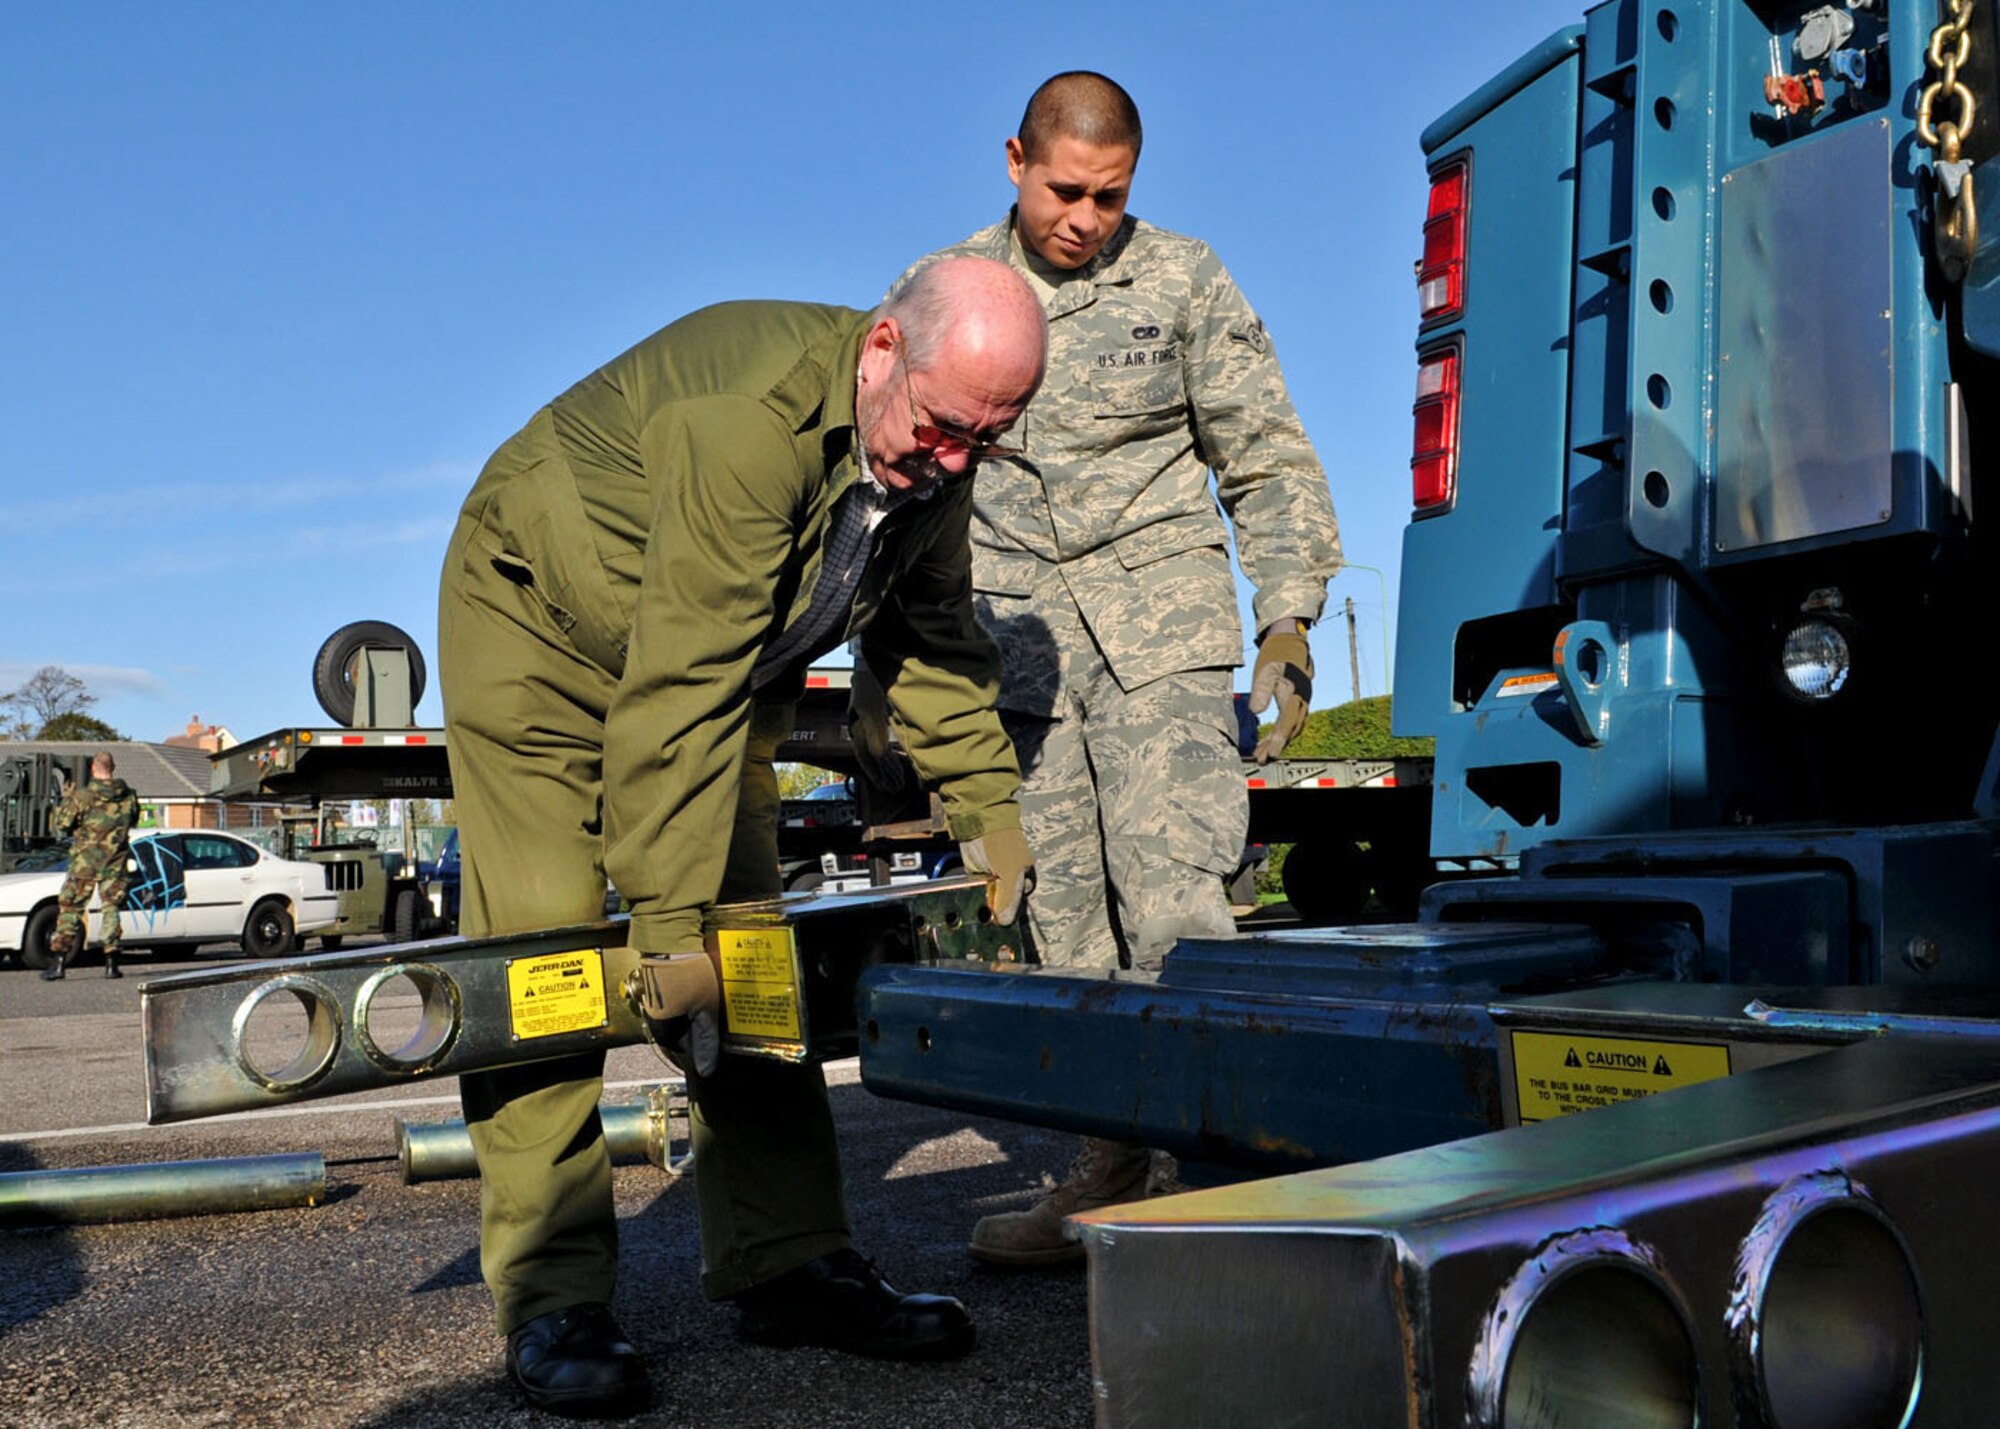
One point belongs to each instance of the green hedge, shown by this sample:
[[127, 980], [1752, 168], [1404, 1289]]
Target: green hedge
[[1358, 729]]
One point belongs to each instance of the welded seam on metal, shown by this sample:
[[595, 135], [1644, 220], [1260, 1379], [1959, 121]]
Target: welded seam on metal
[[1830, 1020]]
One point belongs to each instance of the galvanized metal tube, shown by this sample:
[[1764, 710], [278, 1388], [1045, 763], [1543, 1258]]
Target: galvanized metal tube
[[97, 1194], [439, 1151]]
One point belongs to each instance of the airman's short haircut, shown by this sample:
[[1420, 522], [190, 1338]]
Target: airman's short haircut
[[1083, 105], [103, 760]]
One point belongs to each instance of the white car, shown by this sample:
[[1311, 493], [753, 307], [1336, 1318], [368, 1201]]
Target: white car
[[187, 886]]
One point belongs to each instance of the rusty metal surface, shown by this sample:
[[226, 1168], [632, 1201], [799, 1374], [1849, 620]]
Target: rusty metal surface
[[1271, 1052]]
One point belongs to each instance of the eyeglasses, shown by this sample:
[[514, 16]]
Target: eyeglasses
[[941, 440]]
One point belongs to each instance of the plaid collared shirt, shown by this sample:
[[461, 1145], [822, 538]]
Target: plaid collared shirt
[[849, 542]]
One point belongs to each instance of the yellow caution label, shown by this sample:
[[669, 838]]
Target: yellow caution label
[[556, 992], [1557, 1073], [760, 986]]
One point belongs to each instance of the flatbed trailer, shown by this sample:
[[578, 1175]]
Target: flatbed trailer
[[311, 763], [1358, 826], [380, 888]]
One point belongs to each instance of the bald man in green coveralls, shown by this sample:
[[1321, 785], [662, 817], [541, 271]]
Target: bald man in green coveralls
[[635, 586]]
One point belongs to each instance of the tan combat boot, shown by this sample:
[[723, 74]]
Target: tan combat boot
[[1105, 1173]]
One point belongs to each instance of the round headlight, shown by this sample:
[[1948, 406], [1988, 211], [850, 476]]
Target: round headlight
[[1816, 659]]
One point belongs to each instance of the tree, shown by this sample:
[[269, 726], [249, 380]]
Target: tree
[[795, 781], [44, 696], [77, 725]]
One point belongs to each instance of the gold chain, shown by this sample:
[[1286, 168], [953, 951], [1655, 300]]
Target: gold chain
[[1955, 221]]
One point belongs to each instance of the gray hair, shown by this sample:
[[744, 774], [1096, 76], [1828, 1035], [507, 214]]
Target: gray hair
[[961, 298], [925, 309]]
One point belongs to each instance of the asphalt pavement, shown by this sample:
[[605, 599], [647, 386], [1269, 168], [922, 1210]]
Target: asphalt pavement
[[368, 1309]]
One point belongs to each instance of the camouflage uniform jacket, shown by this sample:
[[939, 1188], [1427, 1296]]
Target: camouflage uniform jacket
[[98, 818], [1159, 372]]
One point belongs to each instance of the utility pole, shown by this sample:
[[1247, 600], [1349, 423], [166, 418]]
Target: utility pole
[[1353, 651], [1382, 581]]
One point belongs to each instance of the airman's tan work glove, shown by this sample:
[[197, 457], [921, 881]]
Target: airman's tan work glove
[[1284, 672], [868, 732], [1005, 858]]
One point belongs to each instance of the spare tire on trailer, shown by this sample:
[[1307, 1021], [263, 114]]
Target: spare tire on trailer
[[338, 664]]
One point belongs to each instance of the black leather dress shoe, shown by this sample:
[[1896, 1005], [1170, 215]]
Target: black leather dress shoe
[[578, 1363], [840, 1301]]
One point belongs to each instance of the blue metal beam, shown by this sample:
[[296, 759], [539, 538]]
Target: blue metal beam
[[1273, 1053]]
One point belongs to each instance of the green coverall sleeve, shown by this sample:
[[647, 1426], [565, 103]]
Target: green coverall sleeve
[[1266, 474], [941, 672], [727, 485]]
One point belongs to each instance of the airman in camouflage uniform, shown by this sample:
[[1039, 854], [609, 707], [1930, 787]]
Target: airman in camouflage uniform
[[1101, 566], [98, 819]]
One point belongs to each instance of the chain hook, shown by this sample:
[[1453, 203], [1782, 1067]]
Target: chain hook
[[1954, 219]]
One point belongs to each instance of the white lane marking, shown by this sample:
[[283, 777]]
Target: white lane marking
[[270, 1113]]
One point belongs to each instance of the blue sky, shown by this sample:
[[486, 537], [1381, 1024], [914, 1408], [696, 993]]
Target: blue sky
[[279, 277]]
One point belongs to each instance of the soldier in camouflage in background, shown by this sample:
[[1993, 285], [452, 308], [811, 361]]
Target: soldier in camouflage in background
[[98, 819], [1101, 565]]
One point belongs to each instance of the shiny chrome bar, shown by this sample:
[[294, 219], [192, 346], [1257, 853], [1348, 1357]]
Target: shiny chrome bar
[[633, 1132]]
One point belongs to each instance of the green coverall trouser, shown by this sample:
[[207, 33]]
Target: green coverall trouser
[[524, 712]]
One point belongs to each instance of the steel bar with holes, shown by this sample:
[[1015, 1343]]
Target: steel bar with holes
[[787, 969]]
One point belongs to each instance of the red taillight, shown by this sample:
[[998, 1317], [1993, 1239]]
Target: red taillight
[[1441, 274], [1434, 448]]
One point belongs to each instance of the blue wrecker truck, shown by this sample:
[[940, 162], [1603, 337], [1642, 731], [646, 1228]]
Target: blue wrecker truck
[[1705, 371]]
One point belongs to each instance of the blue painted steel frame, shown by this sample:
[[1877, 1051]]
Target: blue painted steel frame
[[1208, 1076], [1315, 1047], [1270, 1053], [1589, 423], [1494, 549]]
